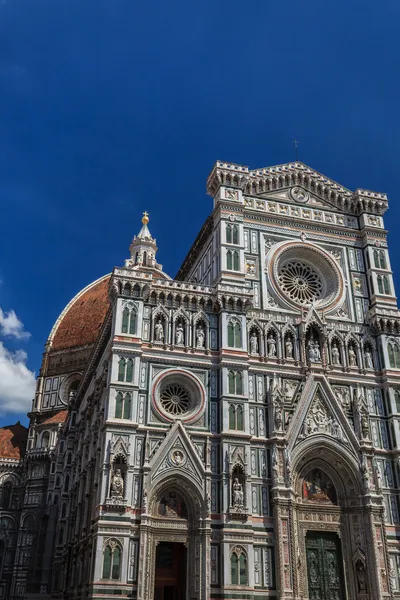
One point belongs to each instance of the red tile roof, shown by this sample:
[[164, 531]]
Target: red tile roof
[[82, 322], [13, 441], [59, 417]]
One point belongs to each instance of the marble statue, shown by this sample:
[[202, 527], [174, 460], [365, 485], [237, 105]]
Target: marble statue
[[117, 484], [159, 331], [271, 343], [200, 337], [254, 343], [238, 497], [179, 335]]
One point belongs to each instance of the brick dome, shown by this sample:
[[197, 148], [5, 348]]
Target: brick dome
[[13, 441], [80, 322]]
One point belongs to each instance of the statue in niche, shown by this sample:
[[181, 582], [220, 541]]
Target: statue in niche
[[117, 484], [159, 331], [289, 347], [318, 487], [172, 505], [179, 335], [361, 578], [278, 411], [314, 352], [369, 363], [200, 337], [271, 345], [335, 354], [364, 424], [253, 343], [237, 493], [352, 357]]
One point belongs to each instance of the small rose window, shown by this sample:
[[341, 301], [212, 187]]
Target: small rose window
[[175, 399]]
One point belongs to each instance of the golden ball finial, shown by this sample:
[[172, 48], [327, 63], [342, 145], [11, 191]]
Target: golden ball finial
[[145, 218]]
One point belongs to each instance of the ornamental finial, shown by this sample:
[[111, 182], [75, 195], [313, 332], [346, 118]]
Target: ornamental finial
[[145, 218]]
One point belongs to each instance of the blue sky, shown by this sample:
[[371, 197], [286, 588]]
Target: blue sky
[[110, 108]]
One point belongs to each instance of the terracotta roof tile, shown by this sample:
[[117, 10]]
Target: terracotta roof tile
[[59, 417], [83, 320], [13, 441]]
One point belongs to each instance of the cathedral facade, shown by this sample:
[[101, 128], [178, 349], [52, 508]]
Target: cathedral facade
[[230, 433]]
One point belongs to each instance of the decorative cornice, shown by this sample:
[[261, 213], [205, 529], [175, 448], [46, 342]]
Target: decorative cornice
[[261, 181]]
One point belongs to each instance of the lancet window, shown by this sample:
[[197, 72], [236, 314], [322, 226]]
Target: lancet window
[[394, 355], [235, 382], [232, 260], [238, 567], [123, 405], [112, 560], [129, 320], [7, 493], [232, 234], [383, 284], [236, 417], [125, 369], [379, 259], [234, 334]]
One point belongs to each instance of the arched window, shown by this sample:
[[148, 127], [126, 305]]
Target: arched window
[[376, 259], [112, 561], [236, 266], [238, 567], [121, 369], [125, 320], [397, 400], [229, 260], [129, 370], [239, 418], [64, 511], [386, 284], [232, 417], [7, 495], [61, 535], [394, 355], [239, 383], [235, 234], [231, 382], [66, 483], [382, 259], [45, 439], [380, 284], [127, 406], [234, 335], [234, 569], [118, 405], [229, 234]]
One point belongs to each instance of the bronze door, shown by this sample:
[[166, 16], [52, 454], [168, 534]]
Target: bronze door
[[170, 572], [324, 567]]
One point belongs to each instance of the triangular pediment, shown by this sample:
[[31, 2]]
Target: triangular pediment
[[297, 195], [177, 455], [319, 413]]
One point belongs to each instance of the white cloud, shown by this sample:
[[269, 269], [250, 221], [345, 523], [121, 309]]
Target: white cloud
[[11, 326], [17, 382]]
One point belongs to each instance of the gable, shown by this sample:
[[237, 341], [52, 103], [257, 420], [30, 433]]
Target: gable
[[319, 413]]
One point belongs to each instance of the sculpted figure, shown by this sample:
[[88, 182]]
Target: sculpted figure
[[317, 352], [238, 497], [368, 359], [254, 343], [200, 337], [335, 355], [117, 484], [352, 357], [289, 348], [271, 344], [159, 331], [179, 335]]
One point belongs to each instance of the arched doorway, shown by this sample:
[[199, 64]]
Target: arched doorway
[[328, 528], [173, 543]]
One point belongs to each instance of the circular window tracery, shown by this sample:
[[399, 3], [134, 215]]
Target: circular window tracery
[[175, 399], [300, 282], [178, 394], [302, 274]]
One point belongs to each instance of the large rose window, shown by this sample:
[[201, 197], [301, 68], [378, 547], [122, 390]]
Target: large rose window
[[300, 282], [302, 274]]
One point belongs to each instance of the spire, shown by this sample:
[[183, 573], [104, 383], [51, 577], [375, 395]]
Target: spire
[[143, 248]]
